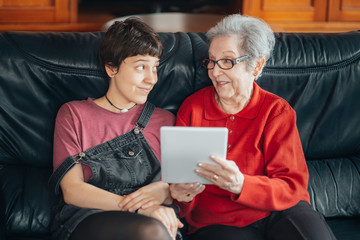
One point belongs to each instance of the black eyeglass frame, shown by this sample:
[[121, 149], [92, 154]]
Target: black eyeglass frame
[[235, 61]]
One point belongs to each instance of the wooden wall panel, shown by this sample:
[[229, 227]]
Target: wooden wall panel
[[344, 10], [37, 11], [29, 3], [287, 10]]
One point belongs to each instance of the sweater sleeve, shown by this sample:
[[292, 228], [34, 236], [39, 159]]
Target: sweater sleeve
[[66, 141], [285, 175]]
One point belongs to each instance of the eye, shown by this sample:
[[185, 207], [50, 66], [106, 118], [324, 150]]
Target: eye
[[141, 67], [155, 68], [227, 60]]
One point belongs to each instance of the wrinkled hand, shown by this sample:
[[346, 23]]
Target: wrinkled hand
[[166, 216], [226, 175], [152, 194], [185, 192]]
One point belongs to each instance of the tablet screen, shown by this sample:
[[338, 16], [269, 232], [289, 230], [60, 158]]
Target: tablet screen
[[182, 148]]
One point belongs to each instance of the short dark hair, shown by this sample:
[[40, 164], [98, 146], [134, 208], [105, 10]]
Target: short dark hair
[[128, 38]]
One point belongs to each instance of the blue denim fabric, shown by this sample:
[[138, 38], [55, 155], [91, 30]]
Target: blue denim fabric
[[121, 165]]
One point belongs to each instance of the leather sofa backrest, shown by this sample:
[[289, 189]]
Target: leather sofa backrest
[[318, 74]]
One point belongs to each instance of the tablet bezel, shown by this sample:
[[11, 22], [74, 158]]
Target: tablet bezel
[[182, 148]]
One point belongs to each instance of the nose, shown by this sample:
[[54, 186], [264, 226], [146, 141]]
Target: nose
[[216, 71], [151, 77]]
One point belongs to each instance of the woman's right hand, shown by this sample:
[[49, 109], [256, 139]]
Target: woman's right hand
[[152, 194], [165, 215], [185, 192]]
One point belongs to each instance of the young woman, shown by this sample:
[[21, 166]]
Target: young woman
[[106, 150]]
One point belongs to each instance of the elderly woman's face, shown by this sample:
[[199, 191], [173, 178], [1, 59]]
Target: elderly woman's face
[[235, 83]]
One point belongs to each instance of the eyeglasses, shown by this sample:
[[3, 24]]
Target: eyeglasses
[[223, 63]]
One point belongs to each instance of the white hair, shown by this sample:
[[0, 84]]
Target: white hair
[[256, 38]]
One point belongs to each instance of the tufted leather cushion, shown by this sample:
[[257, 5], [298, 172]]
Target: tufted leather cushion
[[318, 74]]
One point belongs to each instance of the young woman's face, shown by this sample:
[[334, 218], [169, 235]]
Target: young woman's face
[[134, 79]]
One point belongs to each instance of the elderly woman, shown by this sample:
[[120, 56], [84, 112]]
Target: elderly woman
[[260, 191]]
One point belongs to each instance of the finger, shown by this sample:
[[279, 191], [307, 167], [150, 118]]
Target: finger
[[224, 163], [210, 167], [129, 198], [230, 169], [211, 176], [136, 204], [126, 205], [168, 217], [179, 223], [197, 188], [173, 228], [140, 205], [196, 185], [183, 186], [224, 169], [167, 226], [166, 220], [146, 203], [150, 203], [200, 189], [173, 221]]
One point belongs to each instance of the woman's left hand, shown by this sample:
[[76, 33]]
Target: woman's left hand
[[152, 194], [185, 192], [166, 216], [226, 175]]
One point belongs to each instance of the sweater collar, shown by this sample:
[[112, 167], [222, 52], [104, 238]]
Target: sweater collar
[[214, 112]]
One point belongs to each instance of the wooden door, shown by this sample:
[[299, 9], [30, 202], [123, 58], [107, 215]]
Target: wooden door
[[286, 10], [344, 10], [38, 11]]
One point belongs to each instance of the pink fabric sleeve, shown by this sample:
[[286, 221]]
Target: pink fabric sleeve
[[66, 142]]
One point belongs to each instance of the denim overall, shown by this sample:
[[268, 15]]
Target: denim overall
[[121, 166]]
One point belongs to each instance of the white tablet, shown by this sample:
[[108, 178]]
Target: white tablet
[[182, 148]]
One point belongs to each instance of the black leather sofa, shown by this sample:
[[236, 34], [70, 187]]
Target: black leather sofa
[[318, 74]]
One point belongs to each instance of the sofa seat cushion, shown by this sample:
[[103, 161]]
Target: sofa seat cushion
[[27, 201], [345, 228]]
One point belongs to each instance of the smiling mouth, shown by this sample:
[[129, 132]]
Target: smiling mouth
[[146, 90], [220, 83]]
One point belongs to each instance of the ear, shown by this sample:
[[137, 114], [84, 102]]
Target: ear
[[259, 65], [111, 71]]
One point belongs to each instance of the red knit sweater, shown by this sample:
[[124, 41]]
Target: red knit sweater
[[264, 142]]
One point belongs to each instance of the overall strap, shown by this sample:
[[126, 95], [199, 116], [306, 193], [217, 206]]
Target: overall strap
[[145, 115], [59, 173]]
